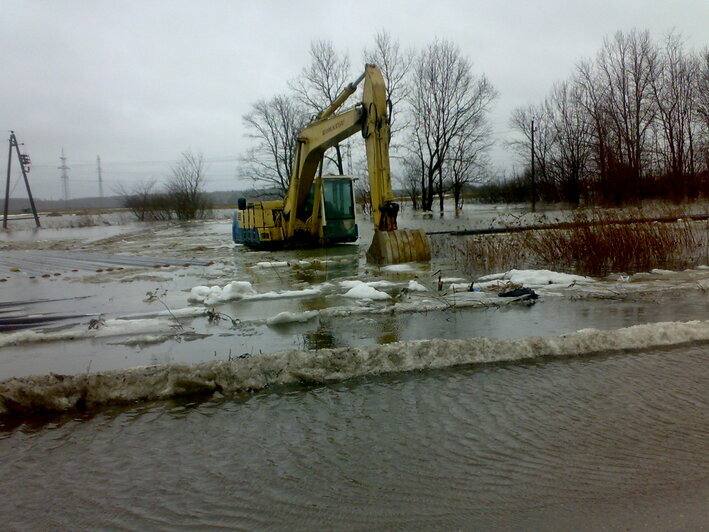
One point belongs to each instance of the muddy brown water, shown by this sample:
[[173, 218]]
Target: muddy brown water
[[609, 441]]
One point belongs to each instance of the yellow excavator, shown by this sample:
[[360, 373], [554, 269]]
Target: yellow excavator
[[320, 210]]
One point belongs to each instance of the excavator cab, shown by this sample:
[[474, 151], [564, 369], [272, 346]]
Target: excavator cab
[[339, 214], [260, 224]]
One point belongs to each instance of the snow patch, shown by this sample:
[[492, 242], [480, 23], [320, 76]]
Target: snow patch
[[463, 287], [286, 294], [400, 268], [416, 287], [362, 290], [539, 278], [291, 317], [374, 284], [492, 277], [110, 328], [271, 264], [211, 295]]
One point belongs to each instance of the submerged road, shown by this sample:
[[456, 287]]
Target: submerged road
[[616, 441]]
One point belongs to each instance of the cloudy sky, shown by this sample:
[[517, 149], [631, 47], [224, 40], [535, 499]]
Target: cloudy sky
[[139, 82]]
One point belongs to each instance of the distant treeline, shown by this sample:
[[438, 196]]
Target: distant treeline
[[629, 124], [222, 198]]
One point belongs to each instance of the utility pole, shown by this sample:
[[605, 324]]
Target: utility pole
[[534, 190], [65, 180], [100, 184], [24, 161]]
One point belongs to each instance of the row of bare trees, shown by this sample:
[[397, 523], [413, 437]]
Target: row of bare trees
[[439, 107], [629, 124]]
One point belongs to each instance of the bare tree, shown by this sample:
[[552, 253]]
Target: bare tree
[[703, 87], [410, 180], [627, 66], [631, 123], [467, 162], [321, 81], [395, 64], [185, 188], [675, 92], [523, 119], [274, 125], [140, 199], [702, 83], [571, 131], [447, 101]]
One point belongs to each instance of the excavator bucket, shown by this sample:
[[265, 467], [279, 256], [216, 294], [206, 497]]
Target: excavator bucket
[[401, 245]]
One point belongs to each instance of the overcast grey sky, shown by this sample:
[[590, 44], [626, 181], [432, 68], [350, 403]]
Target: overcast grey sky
[[138, 82]]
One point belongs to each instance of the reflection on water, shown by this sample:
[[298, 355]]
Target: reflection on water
[[455, 448], [320, 339]]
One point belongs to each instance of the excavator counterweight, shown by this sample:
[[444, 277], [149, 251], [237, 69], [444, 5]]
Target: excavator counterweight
[[319, 210]]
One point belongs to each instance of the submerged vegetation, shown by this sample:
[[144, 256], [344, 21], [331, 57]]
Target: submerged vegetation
[[593, 242], [596, 245]]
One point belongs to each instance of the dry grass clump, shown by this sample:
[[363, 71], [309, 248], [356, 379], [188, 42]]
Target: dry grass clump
[[600, 242]]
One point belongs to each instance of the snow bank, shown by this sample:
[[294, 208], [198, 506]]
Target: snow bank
[[64, 392], [362, 290], [291, 317]]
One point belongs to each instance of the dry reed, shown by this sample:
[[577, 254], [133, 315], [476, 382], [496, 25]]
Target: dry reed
[[596, 242]]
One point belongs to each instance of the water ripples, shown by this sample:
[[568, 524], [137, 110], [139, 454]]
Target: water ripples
[[437, 448]]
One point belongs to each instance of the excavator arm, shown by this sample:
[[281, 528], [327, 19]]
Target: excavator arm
[[371, 117], [312, 143]]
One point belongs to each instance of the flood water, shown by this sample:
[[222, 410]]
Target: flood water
[[610, 440], [585, 443]]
